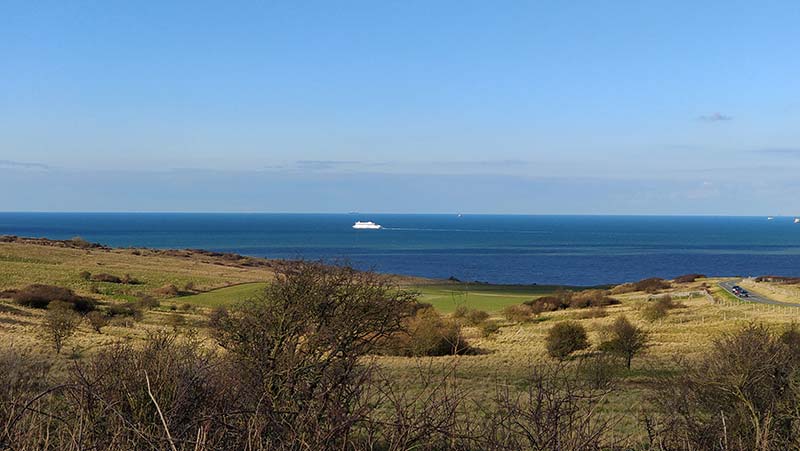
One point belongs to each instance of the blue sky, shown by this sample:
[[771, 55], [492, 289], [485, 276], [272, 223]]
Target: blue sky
[[488, 107]]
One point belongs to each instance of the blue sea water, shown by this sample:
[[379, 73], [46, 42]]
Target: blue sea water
[[575, 250]]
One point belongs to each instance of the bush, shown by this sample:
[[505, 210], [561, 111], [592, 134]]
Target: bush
[[490, 328], [103, 277], [519, 313], [97, 321], [168, 290], [565, 338], [147, 302], [476, 317], [85, 275], [623, 288], [688, 278], [651, 285], [40, 296], [654, 311], [176, 321], [625, 340], [427, 333], [599, 370], [130, 309], [128, 280], [461, 311], [189, 286], [80, 242], [658, 308], [591, 298], [548, 304], [59, 323], [742, 392]]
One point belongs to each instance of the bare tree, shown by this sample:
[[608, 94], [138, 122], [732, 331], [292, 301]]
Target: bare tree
[[59, 323]]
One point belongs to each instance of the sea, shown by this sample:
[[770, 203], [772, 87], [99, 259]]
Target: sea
[[502, 249]]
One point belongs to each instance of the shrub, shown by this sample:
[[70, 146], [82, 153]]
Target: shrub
[[302, 343], [599, 370], [623, 288], [97, 321], [168, 290], [427, 333], [547, 304], [176, 321], [591, 298], [189, 286], [186, 307], [130, 309], [40, 296], [625, 340], [129, 280], [519, 313], [59, 323], [565, 338], [490, 328], [688, 278], [651, 285], [80, 242], [658, 308], [147, 302], [476, 317], [742, 392], [85, 275], [103, 277], [461, 311], [653, 311]]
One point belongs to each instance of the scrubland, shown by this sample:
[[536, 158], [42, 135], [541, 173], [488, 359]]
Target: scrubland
[[507, 356]]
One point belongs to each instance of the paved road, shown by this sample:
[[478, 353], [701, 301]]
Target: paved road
[[728, 286]]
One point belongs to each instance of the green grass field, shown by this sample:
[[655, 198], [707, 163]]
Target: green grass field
[[223, 296], [445, 297], [491, 298]]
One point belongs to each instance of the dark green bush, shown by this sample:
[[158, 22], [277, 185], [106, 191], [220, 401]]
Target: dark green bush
[[565, 338]]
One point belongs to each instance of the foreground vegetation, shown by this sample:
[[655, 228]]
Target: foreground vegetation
[[303, 356]]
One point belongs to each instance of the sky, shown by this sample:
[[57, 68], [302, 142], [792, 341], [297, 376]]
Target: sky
[[535, 107]]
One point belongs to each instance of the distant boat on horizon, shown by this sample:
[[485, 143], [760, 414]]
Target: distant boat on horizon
[[368, 225], [770, 218], [797, 220]]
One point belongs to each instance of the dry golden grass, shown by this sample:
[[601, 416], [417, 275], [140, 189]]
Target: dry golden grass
[[507, 356], [783, 292]]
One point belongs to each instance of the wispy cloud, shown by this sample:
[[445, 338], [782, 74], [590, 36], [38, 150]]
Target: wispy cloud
[[483, 163], [716, 117], [10, 164], [321, 165], [779, 152]]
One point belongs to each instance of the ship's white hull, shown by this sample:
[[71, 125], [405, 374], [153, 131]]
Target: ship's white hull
[[367, 227]]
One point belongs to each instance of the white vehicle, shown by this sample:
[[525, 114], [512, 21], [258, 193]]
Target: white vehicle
[[366, 225]]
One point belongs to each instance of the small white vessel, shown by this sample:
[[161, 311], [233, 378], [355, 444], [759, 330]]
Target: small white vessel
[[366, 225], [797, 220], [770, 218]]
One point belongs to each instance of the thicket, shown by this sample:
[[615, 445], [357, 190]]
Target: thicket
[[40, 296]]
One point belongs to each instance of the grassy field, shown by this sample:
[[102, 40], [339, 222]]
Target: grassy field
[[223, 296], [508, 355], [491, 298]]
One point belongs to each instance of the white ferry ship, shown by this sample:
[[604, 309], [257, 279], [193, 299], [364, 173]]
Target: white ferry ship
[[366, 225]]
